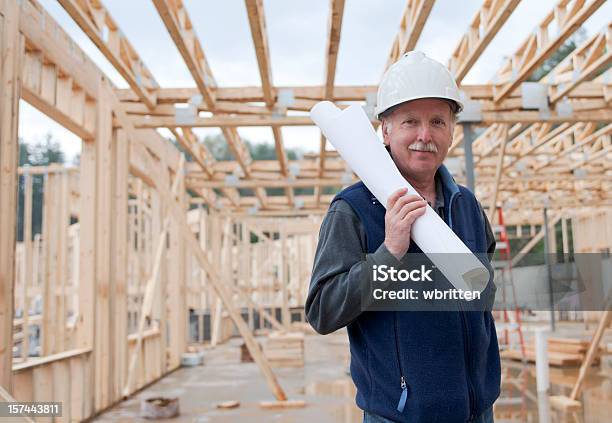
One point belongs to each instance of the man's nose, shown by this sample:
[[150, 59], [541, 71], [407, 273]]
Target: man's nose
[[424, 133]]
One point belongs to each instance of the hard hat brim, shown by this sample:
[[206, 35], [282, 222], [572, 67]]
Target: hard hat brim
[[458, 104]]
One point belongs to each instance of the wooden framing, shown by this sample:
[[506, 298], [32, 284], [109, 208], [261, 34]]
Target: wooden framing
[[260, 40], [412, 23], [588, 59], [484, 26], [116, 222], [568, 15], [177, 21], [336, 13], [96, 22], [11, 48]]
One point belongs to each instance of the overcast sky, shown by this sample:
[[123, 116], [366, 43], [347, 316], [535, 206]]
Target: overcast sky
[[297, 31]]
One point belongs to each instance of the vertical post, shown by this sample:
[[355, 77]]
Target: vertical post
[[48, 341], [284, 279], [62, 224], [216, 311], [161, 293], [27, 242], [88, 215], [548, 271], [178, 311], [544, 408], [103, 341], [542, 371], [11, 48], [468, 139], [245, 260], [204, 297], [87, 253], [119, 259]]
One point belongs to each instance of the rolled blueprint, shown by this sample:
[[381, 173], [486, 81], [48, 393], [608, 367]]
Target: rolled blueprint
[[352, 134]]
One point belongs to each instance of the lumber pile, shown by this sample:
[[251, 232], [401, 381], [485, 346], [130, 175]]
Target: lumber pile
[[562, 352], [285, 349]]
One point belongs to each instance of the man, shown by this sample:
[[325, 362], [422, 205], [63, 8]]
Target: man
[[425, 366]]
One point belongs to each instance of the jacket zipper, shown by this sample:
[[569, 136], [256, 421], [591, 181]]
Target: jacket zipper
[[402, 401], [466, 349]]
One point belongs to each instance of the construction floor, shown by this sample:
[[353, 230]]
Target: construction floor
[[329, 392]]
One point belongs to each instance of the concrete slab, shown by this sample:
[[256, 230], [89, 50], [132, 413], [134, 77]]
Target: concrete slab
[[329, 392]]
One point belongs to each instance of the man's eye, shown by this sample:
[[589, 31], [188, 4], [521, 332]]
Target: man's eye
[[438, 122], [410, 121]]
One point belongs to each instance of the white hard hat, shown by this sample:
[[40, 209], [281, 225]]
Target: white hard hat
[[416, 76]]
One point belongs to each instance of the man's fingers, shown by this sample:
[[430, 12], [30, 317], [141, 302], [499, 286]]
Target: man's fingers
[[409, 207], [412, 215], [393, 197], [402, 201]]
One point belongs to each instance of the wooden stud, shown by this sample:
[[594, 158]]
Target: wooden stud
[[27, 283], [11, 48], [120, 153]]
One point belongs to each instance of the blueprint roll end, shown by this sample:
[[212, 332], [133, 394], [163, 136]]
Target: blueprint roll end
[[322, 112], [476, 279]]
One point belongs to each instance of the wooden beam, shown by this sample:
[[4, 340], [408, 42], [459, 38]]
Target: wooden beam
[[572, 403], [241, 95], [257, 23], [334, 29], [119, 260], [604, 323], [488, 20], [278, 182], [412, 23], [95, 20], [488, 118], [105, 170], [581, 65], [498, 173], [28, 279], [175, 17], [11, 52], [223, 107], [540, 45]]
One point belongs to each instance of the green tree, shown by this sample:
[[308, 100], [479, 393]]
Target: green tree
[[219, 148]]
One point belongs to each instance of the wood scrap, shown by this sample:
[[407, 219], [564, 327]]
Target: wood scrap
[[226, 405], [562, 352], [285, 349], [282, 404]]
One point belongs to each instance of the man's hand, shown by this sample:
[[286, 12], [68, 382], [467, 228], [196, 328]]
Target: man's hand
[[402, 211]]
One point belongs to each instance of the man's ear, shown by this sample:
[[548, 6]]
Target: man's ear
[[385, 132]]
